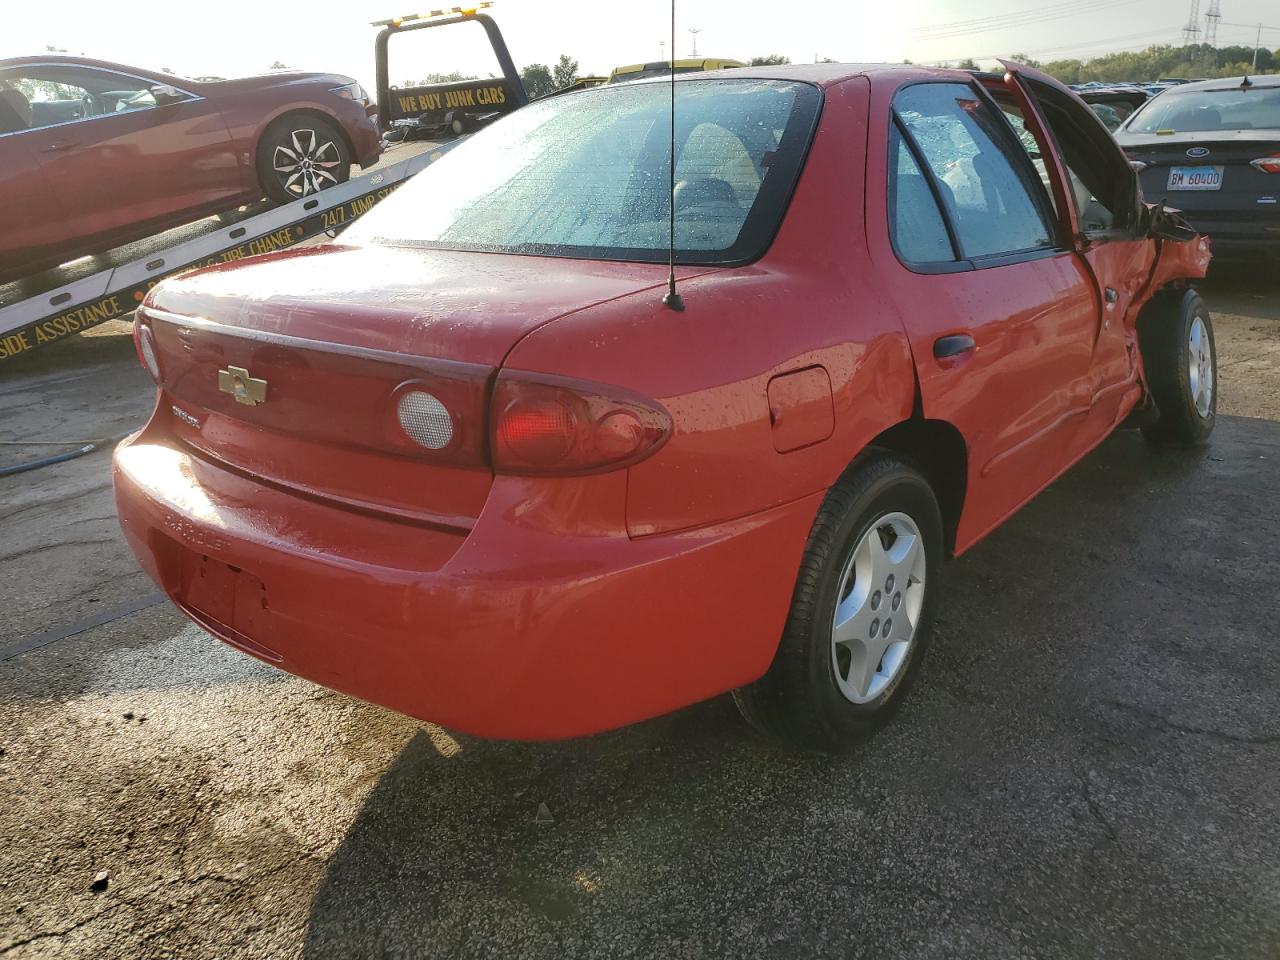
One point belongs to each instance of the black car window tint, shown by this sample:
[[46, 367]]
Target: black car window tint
[[15, 110], [49, 99], [59, 93], [1099, 173], [916, 227], [987, 199]]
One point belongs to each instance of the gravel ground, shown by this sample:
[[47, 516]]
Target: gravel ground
[[1089, 765]]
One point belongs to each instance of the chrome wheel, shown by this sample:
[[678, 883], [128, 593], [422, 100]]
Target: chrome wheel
[[878, 608], [306, 167], [1200, 357]]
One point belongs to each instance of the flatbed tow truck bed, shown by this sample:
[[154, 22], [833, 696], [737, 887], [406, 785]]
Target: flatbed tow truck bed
[[50, 306]]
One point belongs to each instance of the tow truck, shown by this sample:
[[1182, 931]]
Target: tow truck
[[49, 307]]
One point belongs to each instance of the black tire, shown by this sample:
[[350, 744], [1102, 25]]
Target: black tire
[[799, 699], [330, 160], [1186, 417]]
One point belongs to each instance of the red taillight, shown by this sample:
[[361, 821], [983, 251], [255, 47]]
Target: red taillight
[[1269, 164], [556, 425]]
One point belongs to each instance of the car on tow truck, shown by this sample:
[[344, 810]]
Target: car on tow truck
[[1212, 149], [94, 155], [474, 462]]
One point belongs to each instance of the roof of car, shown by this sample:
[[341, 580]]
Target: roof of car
[[822, 74], [62, 58], [1226, 83]]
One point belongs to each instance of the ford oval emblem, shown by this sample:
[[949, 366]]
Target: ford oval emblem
[[1195, 153]]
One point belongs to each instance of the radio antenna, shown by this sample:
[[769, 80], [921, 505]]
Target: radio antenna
[[672, 299]]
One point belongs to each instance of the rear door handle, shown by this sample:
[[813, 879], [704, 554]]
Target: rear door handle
[[59, 145], [952, 346]]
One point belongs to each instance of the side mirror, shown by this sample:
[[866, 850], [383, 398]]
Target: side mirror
[[1168, 224], [165, 94]]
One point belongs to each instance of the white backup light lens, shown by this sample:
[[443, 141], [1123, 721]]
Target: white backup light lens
[[148, 351], [425, 420]]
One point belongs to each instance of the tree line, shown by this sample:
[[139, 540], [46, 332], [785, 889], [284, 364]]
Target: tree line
[[540, 79], [1195, 61], [1192, 61]]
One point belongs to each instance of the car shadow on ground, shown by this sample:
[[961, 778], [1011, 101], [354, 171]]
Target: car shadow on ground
[[1058, 783]]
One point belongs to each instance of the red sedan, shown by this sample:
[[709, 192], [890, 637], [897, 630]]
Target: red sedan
[[94, 154], [467, 463]]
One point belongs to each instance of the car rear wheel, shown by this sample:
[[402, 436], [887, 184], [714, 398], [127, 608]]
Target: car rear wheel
[[861, 614], [1179, 356], [301, 155]]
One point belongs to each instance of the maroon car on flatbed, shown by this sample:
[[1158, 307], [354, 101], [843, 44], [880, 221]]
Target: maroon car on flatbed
[[95, 154]]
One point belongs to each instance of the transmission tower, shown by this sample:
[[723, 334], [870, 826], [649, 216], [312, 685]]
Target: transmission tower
[[1211, 23], [694, 31], [1191, 32]]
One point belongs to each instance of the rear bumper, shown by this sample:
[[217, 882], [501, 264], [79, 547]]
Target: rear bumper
[[520, 628], [1244, 244], [1255, 233]]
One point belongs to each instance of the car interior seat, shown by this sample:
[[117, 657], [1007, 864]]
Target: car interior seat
[[705, 191], [15, 110]]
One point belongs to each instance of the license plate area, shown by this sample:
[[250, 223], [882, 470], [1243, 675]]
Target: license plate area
[[228, 600], [1195, 178]]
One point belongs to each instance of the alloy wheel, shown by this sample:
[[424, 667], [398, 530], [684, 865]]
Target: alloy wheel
[[878, 608], [1200, 357], [305, 167]]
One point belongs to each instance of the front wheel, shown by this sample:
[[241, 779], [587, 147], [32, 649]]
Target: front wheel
[[1181, 363], [301, 155], [861, 614]]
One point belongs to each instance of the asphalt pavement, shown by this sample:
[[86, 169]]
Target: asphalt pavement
[[1089, 765]]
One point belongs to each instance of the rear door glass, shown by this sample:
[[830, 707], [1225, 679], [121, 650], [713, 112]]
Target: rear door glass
[[1099, 173], [992, 201], [918, 231]]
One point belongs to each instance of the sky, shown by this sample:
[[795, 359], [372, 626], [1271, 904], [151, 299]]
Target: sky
[[244, 37]]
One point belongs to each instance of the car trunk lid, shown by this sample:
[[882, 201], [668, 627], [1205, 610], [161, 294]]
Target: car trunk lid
[[1244, 192], [295, 368]]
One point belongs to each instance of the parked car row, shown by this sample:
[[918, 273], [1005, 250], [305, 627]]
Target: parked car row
[[96, 154]]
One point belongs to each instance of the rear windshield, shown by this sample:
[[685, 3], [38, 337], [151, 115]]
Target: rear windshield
[[1209, 110], [587, 176], [660, 71]]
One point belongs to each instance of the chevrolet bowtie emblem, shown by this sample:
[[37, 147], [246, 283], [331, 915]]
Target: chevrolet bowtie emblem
[[246, 389]]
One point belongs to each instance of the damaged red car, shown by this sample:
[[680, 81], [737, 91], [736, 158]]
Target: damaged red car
[[468, 463]]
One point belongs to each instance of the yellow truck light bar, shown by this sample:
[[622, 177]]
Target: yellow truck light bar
[[469, 11]]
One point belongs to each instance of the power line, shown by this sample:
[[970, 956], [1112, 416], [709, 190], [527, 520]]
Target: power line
[[1043, 15], [1250, 26], [998, 16], [1152, 36]]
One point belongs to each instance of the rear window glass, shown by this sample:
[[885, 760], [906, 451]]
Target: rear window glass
[[587, 176], [644, 73], [1209, 110]]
